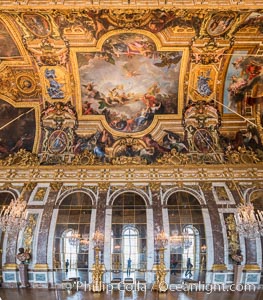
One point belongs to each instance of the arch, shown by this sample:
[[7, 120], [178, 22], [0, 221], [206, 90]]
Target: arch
[[109, 34], [88, 192], [194, 193], [251, 195], [15, 194], [117, 193]]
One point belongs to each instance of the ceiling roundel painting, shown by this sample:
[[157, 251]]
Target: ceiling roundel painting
[[129, 82]]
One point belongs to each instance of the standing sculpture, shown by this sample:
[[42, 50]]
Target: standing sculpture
[[23, 256]]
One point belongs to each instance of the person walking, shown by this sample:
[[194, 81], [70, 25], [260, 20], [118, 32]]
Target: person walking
[[67, 265], [189, 267]]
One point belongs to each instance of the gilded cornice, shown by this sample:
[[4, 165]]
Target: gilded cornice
[[134, 174], [65, 4]]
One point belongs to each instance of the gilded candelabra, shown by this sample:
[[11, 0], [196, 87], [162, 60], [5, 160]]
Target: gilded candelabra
[[161, 242], [98, 268]]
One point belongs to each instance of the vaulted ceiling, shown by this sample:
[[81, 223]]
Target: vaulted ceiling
[[134, 82]]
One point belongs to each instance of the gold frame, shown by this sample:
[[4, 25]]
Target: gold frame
[[157, 119]]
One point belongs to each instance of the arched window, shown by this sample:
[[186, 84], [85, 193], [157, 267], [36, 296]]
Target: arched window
[[130, 247], [70, 250], [191, 246]]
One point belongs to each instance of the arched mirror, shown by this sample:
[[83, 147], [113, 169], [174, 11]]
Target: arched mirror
[[187, 238], [5, 199], [71, 244], [257, 200], [129, 232]]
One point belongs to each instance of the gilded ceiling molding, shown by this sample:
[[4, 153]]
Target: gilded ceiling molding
[[222, 4], [118, 174]]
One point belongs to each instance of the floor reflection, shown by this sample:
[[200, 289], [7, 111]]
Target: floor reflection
[[38, 294]]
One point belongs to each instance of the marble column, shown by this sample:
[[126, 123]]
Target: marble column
[[157, 211], [42, 243], [218, 239], [101, 214], [11, 249], [101, 208]]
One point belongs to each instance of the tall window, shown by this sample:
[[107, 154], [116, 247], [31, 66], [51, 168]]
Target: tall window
[[70, 250], [191, 246], [130, 247]]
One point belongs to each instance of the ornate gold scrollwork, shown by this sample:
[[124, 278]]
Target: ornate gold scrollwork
[[155, 186], [129, 18], [56, 186], [39, 196], [20, 158], [85, 158], [103, 186], [206, 186], [232, 235], [174, 158]]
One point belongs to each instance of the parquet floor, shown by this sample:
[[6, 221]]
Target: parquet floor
[[40, 294]]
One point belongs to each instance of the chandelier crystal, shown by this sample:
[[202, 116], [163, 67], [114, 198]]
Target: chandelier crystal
[[13, 216], [74, 238], [183, 240], [161, 240], [249, 222], [84, 244], [98, 239]]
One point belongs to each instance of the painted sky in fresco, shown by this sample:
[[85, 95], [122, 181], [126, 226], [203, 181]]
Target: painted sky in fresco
[[8, 47], [129, 82], [234, 71]]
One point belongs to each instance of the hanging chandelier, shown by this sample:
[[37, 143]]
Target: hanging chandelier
[[183, 240], [74, 238], [98, 239], [249, 222], [13, 216], [161, 240], [84, 244]]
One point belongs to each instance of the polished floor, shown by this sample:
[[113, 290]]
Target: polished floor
[[37, 294]]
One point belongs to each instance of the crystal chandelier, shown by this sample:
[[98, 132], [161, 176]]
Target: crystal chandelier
[[249, 222], [74, 238], [161, 240], [13, 216], [98, 239], [84, 244], [183, 240]]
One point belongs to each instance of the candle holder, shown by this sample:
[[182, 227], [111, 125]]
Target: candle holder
[[161, 242], [98, 268]]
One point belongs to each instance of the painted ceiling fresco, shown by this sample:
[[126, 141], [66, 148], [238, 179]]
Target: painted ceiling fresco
[[142, 86], [129, 82]]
